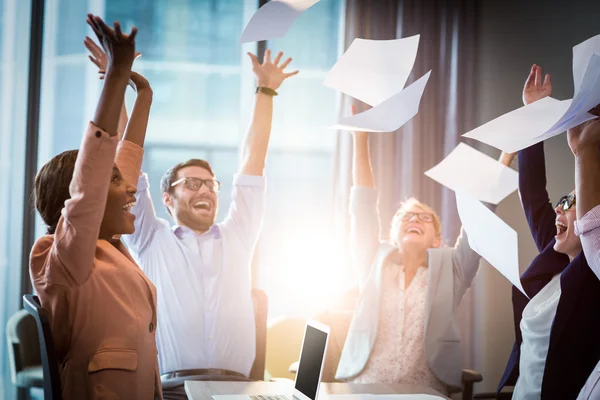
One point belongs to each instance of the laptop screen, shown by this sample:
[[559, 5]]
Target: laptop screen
[[311, 360]]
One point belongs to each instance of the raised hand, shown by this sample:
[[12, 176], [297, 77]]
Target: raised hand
[[270, 74], [97, 55], [357, 133], [586, 134], [119, 48], [534, 89]]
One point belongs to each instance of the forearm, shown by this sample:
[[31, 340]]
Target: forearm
[[111, 100], [506, 159], [362, 171], [587, 179], [122, 121], [256, 141], [138, 123]]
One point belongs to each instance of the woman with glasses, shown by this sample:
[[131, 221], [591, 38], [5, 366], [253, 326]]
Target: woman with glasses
[[557, 328], [404, 329]]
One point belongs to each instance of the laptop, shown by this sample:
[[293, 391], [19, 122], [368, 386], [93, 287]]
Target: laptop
[[310, 368]]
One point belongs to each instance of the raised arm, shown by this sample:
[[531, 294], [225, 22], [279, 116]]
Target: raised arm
[[584, 141], [78, 229], [532, 171], [364, 216], [269, 76]]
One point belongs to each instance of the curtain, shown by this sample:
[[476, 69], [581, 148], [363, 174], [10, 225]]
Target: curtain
[[447, 47]]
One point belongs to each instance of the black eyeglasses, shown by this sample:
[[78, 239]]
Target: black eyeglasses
[[423, 217], [566, 202], [196, 183]]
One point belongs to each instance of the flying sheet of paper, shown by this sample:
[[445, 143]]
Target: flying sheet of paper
[[522, 127], [490, 237], [384, 397], [476, 173], [587, 98], [274, 19], [389, 115], [581, 56], [374, 70]]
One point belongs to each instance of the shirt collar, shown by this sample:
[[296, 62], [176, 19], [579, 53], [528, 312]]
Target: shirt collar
[[181, 231]]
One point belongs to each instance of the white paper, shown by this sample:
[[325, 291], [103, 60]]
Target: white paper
[[587, 98], [490, 237], [581, 57], [476, 173], [383, 397], [389, 115], [374, 70], [274, 19], [522, 127]]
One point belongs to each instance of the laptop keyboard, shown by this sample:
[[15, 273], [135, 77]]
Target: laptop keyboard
[[274, 397]]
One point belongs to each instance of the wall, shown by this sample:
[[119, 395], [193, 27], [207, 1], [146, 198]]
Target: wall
[[512, 36]]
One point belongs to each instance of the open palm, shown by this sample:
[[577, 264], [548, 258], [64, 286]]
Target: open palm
[[270, 74], [535, 89], [586, 134]]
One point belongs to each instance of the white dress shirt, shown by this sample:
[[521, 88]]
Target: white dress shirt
[[536, 325], [203, 282]]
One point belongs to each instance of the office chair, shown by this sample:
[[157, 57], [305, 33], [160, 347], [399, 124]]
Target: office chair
[[52, 386]]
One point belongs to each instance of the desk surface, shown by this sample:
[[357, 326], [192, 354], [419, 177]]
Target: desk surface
[[203, 390]]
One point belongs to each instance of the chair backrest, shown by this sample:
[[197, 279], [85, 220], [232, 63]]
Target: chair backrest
[[261, 307], [23, 343], [52, 386]]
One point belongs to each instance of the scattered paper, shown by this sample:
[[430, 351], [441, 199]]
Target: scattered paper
[[587, 98], [476, 173], [374, 70], [581, 57], [522, 127], [490, 237], [389, 115], [274, 19]]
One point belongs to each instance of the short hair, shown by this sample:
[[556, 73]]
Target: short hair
[[51, 187], [171, 175], [404, 207]]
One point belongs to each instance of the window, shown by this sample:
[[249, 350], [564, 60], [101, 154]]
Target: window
[[14, 58], [203, 94]]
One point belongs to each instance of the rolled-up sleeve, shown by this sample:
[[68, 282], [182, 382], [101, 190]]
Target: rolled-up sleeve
[[247, 210], [588, 229]]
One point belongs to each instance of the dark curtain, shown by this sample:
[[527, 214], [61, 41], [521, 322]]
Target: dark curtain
[[447, 47]]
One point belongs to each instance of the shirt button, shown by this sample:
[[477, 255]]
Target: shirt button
[[98, 134], [151, 327]]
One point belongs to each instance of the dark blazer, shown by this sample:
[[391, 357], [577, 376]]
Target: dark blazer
[[575, 337]]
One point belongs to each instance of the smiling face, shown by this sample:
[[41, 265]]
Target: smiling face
[[566, 241], [196, 209], [416, 227], [118, 218]]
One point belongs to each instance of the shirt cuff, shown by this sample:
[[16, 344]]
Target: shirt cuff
[[589, 222], [129, 160], [142, 183], [257, 181], [96, 145]]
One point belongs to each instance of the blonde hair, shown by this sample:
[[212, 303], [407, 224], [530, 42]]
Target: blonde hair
[[405, 206]]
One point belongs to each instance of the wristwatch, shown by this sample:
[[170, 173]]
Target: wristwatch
[[266, 90]]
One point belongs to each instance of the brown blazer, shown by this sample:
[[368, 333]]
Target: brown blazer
[[102, 307]]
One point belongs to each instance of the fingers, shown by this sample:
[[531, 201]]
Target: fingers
[[104, 29], [94, 26], [531, 77], [538, 76], [133, 34], [547, 81], [118, 31], [95, 61], [267, 56], [286, 63], [254, 60], [278, 58], [285, 76]]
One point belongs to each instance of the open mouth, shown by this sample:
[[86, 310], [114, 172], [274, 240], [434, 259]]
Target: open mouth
[[561, 228], [415, 230], [127, 207], [202, 205]]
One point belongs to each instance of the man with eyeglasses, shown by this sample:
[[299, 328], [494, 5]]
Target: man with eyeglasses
[[202, 269], [558, 326]]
